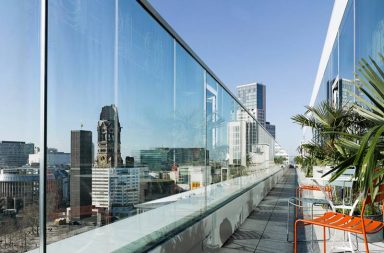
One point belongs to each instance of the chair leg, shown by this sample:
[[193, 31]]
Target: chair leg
[[325, 241], [350, 243], [295, 237], [297, 202], [289, 210], [366, 243]]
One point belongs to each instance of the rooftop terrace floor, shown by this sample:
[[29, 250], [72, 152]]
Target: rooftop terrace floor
[[265, 230]]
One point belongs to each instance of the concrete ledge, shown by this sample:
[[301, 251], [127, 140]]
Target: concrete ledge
[[211, 232], [202, 220]]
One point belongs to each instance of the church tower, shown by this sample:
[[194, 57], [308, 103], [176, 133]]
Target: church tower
[[108, 130]]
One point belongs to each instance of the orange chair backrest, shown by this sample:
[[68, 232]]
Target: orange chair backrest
[[378, 198]]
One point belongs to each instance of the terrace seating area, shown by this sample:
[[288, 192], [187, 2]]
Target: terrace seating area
[[265, 229]]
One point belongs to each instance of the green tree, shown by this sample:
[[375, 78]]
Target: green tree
[[279, 159]]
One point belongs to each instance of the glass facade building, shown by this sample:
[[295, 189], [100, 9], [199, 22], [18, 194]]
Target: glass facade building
[[147, 124], [356, 32]]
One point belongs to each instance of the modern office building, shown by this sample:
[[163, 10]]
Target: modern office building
[[340, 92], [261, 103], [253, 96], [271, 129], [247, 94], [81, 174], [14, 153], [355, 32]]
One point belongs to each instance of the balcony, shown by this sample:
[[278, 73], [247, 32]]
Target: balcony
[[117, 137]]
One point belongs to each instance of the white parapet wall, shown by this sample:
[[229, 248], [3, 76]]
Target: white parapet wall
[[211, 232]]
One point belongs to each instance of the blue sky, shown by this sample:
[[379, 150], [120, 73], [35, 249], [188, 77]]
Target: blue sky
[[19, 64], [277, 42]]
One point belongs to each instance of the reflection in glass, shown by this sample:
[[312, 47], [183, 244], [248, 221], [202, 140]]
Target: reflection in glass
[[345, 87], [20, 125], [369, 29], [134, 122], [82, 116]]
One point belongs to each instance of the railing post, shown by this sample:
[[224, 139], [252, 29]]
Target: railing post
[[43, 124]]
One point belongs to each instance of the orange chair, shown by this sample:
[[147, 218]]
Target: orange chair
[[348, 223], [301, 188]]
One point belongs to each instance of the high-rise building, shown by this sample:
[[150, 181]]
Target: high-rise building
[[129, 162], [271, 129], [247, 94], [261, 104], [253, 97], [14, 153], [115, 187], [81, 174], [108, 138], [340, 92], [242, 141]]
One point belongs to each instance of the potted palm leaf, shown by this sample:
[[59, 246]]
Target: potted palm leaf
[[366, 149]]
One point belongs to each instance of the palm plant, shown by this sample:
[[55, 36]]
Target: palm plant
[[327, 122], [367, 151], [298, 160]]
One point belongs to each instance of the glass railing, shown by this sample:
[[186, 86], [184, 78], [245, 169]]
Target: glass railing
[[137, 129]]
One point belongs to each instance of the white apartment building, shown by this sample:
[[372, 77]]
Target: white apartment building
[[237, 142], [118, 187]]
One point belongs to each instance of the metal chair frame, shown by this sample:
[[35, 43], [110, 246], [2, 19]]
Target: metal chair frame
[[348, 223], [344, 181]]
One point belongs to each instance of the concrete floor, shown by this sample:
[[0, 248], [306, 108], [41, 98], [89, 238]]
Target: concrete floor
[[265, 228]]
